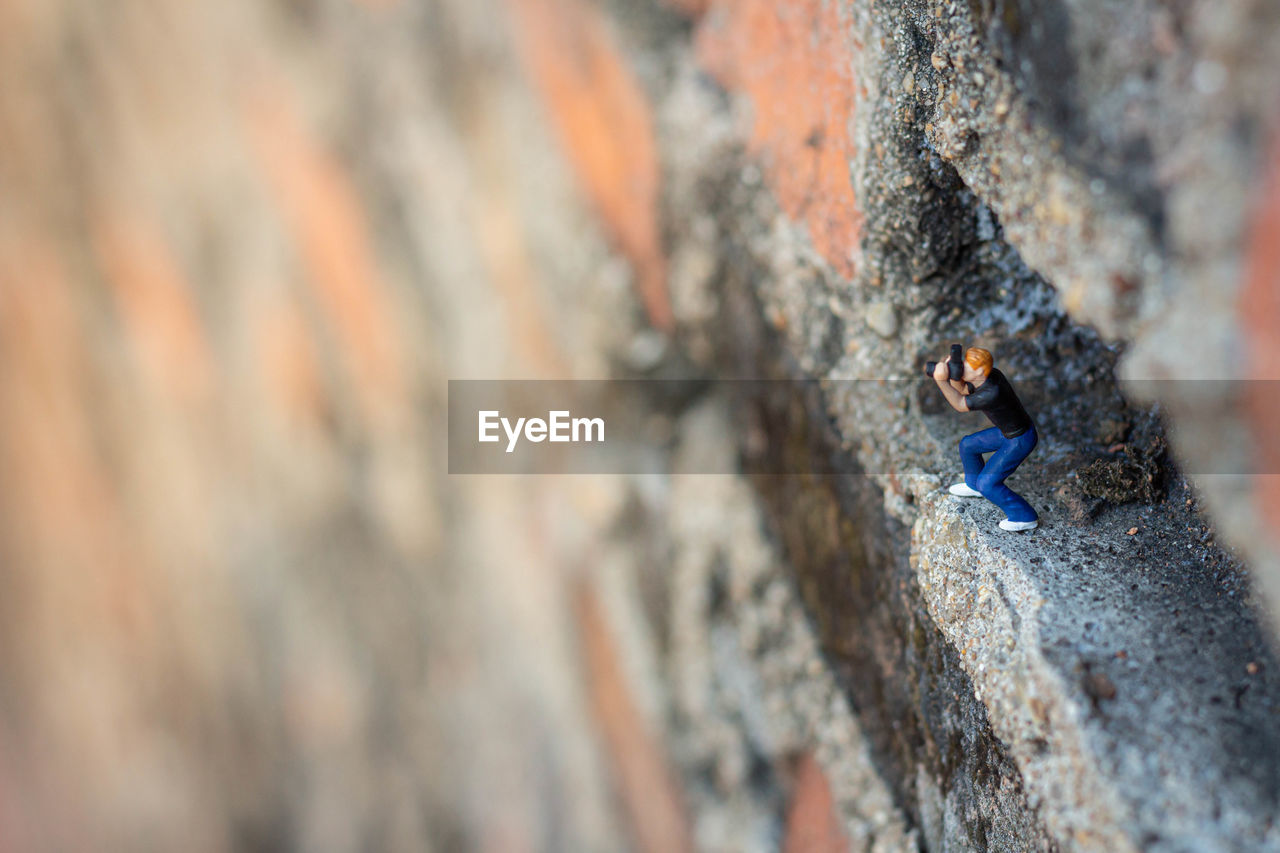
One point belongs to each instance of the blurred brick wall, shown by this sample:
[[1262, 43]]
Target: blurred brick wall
[[242, 247], [242, 608]]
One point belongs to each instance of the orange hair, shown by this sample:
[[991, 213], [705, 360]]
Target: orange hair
[[979, 359]]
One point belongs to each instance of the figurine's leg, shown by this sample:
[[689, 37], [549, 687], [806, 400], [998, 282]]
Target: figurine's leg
[[1001, 464], [971, 449]]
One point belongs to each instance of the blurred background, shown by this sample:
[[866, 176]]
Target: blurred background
[[242, 247], [245, 245]]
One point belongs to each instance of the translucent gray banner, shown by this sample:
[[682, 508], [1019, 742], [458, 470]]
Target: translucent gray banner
[[628, 426]]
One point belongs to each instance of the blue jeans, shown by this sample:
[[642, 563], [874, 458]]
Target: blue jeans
[[988, 478]]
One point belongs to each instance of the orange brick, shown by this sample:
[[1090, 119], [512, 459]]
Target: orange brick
[[327, 221], [1259, 315], [156, 304], [288, 353], [650, 796], [61, 509], [794, 60], [812, 823], [605, 124]]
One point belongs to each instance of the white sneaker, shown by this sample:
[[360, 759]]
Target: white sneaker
[[960, 490], [1014, 526]]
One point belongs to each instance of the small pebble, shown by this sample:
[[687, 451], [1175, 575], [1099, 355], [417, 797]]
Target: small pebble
[[882, 319]]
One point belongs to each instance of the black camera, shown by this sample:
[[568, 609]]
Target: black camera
[[955, 364]]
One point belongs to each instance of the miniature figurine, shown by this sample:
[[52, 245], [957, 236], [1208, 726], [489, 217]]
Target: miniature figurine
[[973, 384]]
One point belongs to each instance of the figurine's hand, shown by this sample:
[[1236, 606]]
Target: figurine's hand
[[941, 372]]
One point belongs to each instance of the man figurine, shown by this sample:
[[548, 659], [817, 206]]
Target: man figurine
[[1010, 440]]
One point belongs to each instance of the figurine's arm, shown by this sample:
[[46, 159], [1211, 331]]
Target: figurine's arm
[[954, 397]]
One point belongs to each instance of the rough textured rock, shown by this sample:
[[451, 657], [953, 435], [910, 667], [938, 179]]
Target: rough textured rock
[[1009, 204], [242, 247]]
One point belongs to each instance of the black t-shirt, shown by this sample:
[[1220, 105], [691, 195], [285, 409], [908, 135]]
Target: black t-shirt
[[995, 398]]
